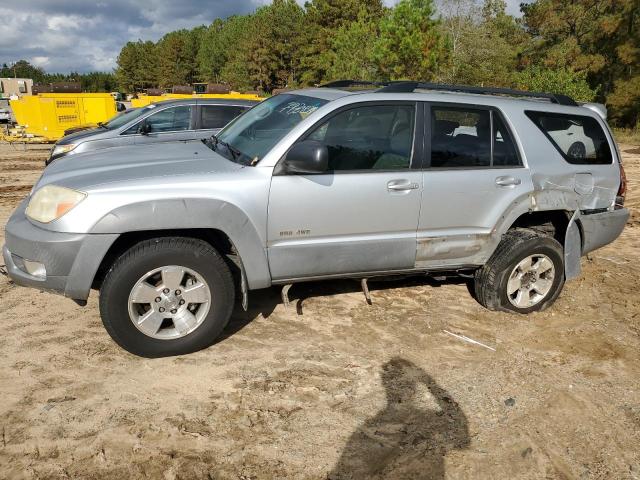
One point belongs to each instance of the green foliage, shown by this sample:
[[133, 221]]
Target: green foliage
[[272, 49], [322, 20], [177, 58], [588, 49], [599, 37], [137, 66], [540, 79], [352, 52], [218, 45], [23, 69], [410, 45], [484, 44], [90, 82]]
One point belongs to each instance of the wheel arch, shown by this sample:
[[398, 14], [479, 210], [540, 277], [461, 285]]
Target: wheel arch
[[222, 224], [562, 225]]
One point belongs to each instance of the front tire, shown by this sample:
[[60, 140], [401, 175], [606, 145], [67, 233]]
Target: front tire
[[167, 296], [525, 274]]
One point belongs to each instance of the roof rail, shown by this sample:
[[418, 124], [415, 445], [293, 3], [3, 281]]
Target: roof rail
[[407, 86], [353, 83]]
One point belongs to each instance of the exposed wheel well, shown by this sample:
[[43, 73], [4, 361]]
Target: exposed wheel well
[[216, 238], [553, 223]]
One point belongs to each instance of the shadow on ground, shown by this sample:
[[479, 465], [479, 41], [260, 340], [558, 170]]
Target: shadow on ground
[[405, 439]]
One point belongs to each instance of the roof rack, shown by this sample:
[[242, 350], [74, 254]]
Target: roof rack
[[406, 86], [353, 83]]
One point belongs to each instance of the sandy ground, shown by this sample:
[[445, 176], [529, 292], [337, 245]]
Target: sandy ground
[[343, 390]]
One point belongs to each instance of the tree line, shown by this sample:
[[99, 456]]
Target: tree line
[[589, 49], [90, 82]]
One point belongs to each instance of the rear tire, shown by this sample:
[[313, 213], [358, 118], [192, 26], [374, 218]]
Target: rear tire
[[142, 269], [525, 274]]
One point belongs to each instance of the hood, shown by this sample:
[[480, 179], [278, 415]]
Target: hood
[[121, 164], [80, 135]]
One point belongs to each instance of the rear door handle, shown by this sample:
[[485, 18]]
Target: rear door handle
[[508, 181], [401, 186]]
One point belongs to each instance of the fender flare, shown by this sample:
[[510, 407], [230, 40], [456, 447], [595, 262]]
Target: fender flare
[[191, 213]]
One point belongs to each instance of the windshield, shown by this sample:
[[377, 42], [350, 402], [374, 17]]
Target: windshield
[[250, 136], [120, 119]]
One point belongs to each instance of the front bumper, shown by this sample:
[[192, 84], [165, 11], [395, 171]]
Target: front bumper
[[71, 260]]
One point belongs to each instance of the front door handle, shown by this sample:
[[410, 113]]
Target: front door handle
[[508, 181], [401, 186]]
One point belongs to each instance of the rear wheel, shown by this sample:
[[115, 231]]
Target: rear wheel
[[525, 274], [167, 296]]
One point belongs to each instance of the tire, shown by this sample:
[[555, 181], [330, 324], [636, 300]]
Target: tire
[[203, 270], [492, 285]]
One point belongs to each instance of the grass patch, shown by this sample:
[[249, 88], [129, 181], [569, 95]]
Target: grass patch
[[627, 135]]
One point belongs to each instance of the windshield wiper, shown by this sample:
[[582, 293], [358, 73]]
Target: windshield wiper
[[214, 141], [235, 153], [103, 125]]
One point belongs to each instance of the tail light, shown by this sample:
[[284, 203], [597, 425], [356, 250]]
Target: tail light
[[622, 191]]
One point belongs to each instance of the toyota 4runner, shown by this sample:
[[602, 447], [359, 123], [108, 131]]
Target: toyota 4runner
[[510, 188]]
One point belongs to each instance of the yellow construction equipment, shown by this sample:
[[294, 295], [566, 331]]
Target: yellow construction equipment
[[144, 100], [48, 115]]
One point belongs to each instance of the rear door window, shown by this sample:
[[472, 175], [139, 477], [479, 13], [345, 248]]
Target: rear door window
[[504, 148], [217, 116], [468, 137], [579, 139]]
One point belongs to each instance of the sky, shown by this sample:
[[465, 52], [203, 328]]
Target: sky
[[87, 35]]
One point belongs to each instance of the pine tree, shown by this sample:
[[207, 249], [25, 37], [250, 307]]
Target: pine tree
[[410, 45]]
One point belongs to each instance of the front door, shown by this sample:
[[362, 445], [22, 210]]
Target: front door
[[360, 216], [474, 174], [167, 125]]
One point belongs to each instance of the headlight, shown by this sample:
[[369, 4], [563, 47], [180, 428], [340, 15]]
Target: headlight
[[51, 202], [62, 149]]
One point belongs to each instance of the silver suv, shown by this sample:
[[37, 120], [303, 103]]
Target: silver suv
[[167, 121], [325, 183]]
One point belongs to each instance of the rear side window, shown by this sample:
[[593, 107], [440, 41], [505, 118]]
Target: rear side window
[[217, 116], [469, 138], [579, 139]]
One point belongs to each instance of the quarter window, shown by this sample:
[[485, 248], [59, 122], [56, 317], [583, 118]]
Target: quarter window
[[579, 139], [374, 137], [468, 138], [217, 116]]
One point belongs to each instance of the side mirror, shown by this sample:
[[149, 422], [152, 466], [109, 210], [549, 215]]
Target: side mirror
[[306, 157], [144, 128]]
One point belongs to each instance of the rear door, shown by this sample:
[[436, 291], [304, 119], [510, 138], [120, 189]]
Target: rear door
[[212, 118], [472, 175], [362, 214]]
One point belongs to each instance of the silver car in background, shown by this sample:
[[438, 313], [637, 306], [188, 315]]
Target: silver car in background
[[171, 120]]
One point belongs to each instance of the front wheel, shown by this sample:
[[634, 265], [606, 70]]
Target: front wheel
[[525, 274], [167, 296]]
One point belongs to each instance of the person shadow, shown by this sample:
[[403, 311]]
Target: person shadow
[[405, 440]]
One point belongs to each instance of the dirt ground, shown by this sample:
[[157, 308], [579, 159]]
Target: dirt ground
[[343, 390]]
